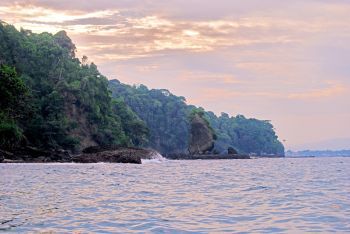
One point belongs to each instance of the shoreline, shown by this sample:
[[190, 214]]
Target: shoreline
[[110, 154]]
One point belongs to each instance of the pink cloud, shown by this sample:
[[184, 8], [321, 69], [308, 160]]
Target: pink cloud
[[333, 90]]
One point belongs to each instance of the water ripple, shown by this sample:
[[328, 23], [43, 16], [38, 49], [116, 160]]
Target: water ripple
[[246, 196]]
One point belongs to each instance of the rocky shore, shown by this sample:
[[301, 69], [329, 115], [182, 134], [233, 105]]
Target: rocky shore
[[206, 156], [34, 155], [114, 155], [110, 154], [89, 155]]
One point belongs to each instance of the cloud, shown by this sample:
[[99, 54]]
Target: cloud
[[281, 60], [148, 34], [333, 90]]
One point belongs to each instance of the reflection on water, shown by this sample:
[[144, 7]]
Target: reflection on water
[[263, 195]]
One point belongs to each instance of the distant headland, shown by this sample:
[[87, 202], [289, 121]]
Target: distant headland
[[51, 102], [318, 153]]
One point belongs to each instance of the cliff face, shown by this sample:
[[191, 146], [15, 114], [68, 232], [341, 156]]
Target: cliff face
[[83, 130], [201, 136]]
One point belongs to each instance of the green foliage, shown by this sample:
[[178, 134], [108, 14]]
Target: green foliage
[[245, 135], [168, 118], [10, 134], [165, 114], [201, 113], [13, 92], [197, 111], [69, 100], [13, 99], [133, 126], [56, 101]]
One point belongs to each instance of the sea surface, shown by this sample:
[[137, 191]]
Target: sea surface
[[288, 195]]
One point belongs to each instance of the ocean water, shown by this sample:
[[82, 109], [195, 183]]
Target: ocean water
[[241, 196]]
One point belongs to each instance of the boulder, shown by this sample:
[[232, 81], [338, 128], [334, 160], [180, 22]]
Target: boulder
[[40, 159], [97, 149], [5, 155], [206, 157], [107, 156], [32, 154], [231, 150], [59, 156], [201, 136], [13, 161], [114, 155]]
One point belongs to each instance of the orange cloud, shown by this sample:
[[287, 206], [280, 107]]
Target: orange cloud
[[333, 90], [255, 59]]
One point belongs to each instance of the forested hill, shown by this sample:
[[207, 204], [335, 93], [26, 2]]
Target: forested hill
[[165, 114], [167, 117], [52, 100]]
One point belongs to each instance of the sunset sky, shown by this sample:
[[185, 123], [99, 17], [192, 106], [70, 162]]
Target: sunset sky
[[285, 61]]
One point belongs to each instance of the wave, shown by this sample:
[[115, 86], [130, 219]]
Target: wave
[[154, 157]]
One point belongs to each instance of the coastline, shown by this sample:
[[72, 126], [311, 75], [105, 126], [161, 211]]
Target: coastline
[[109, 154]]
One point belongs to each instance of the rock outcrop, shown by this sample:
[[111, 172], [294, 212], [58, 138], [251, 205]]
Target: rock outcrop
[[206, 156], [95, 154], [2, 157], [84, 129], [114, 155], [231, 150], [201, 136], [32, 154]]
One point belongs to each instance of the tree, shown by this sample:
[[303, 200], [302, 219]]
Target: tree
[[13, 93], [69, 100], [168, 118], [165, 114], [13, 100], [71, 104]]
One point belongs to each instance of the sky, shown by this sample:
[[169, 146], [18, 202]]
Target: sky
[[284, 61]]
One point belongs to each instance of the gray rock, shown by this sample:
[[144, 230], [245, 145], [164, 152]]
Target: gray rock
[[231, 150], [201, 136], [13, 161], [114, 155], [206, 157], [5, 155]]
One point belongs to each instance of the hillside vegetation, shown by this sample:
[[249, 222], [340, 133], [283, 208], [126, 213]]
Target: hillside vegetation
[[168, 118], [52, 100]]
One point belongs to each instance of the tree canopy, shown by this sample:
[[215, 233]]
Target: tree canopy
[[51, 99], [168, 118], [165, 114], [70, 101]]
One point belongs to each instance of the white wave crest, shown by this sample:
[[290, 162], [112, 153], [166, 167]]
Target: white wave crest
[[154, 157]]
